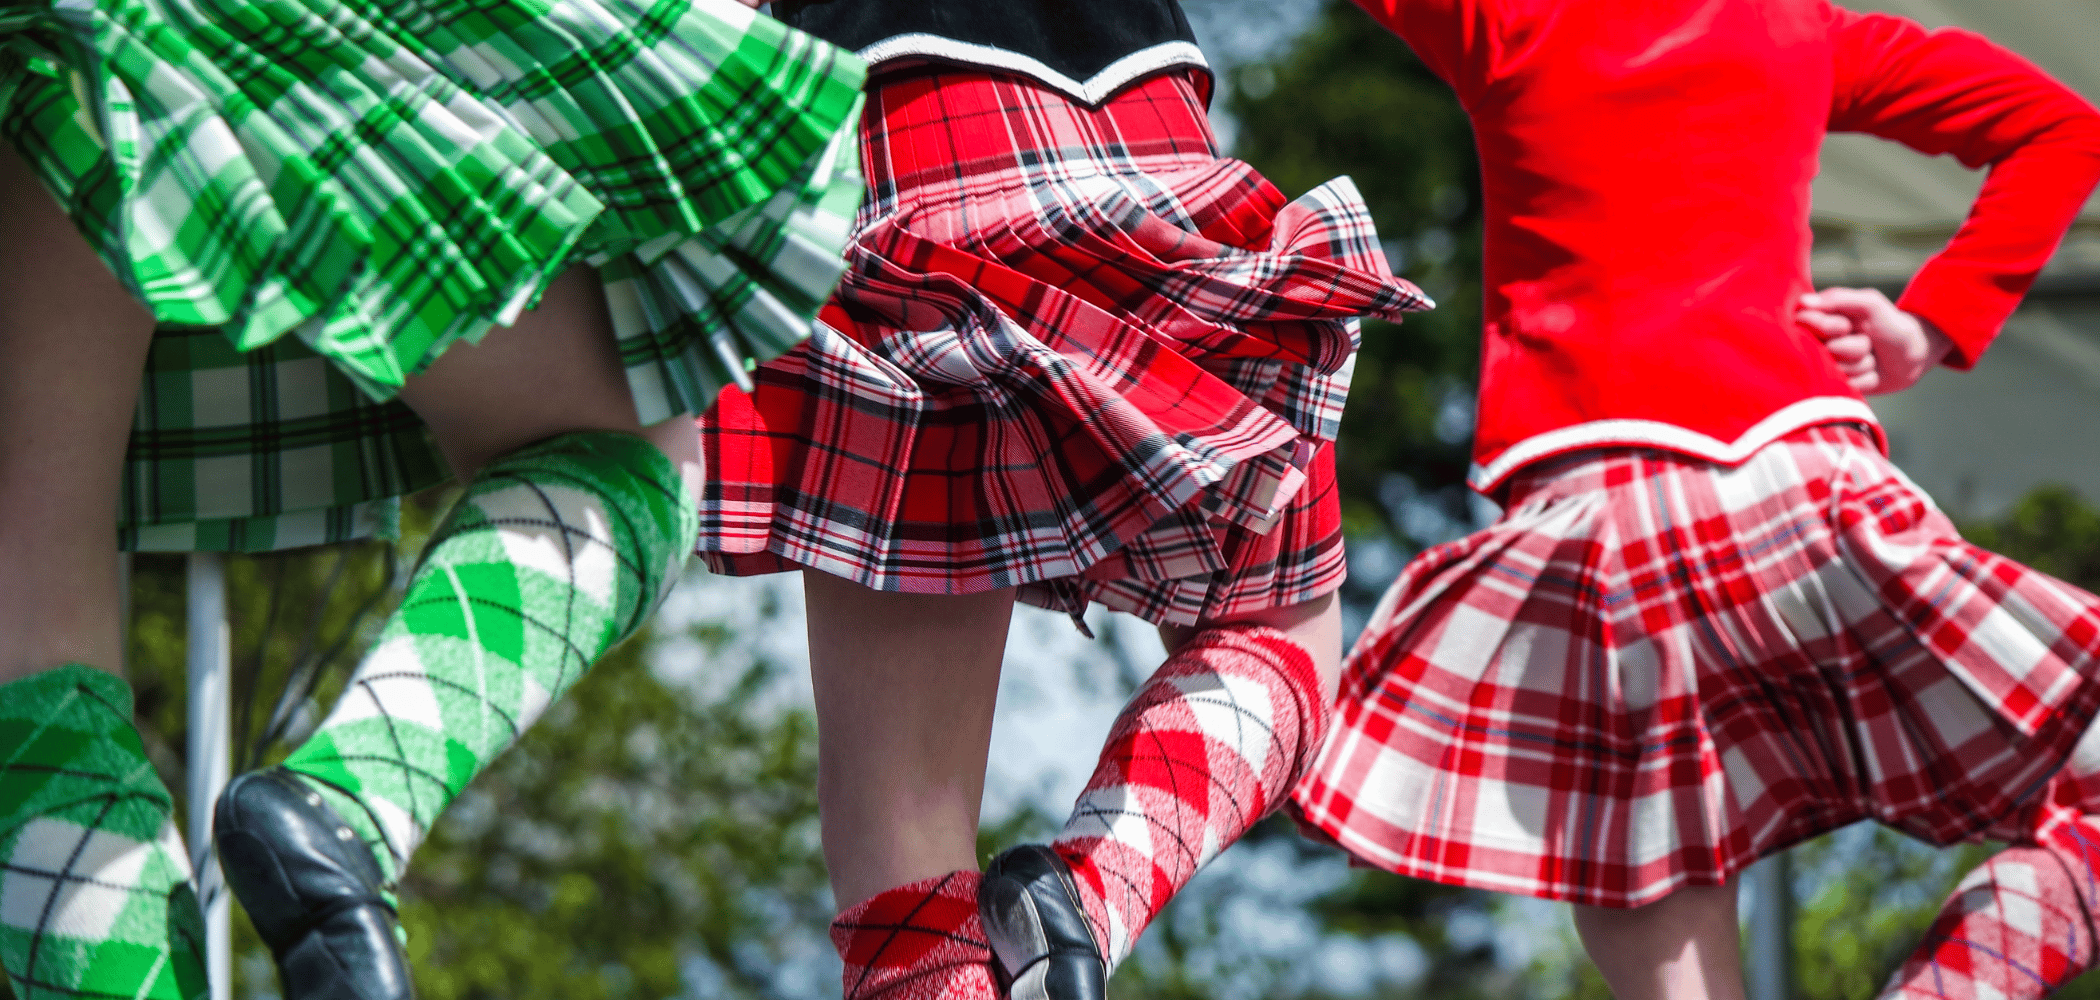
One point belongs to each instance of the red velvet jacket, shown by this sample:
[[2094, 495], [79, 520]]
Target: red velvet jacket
[[1646, 166]]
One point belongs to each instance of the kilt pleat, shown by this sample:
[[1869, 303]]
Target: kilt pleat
[[1654, 670], [1076, 353], [384, 178]]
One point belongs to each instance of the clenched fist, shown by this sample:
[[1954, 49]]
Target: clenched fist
[[1878, 347]]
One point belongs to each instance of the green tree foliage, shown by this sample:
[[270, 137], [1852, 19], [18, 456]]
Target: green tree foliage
[[655, 838], [1867, 895], [641, 841], [2053, 530]]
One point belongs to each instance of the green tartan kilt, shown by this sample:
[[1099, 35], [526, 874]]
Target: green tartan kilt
[[380, 179]]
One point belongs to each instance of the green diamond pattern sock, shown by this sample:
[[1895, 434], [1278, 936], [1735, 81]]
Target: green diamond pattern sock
[[557, 552], [95, 896]]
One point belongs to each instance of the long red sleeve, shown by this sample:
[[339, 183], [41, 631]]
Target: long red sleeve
[[1646, 169], [1456, 39], [1953, 92]]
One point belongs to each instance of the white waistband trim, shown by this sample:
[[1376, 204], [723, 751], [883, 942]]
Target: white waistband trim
[[1093, 90], [1656, 434]]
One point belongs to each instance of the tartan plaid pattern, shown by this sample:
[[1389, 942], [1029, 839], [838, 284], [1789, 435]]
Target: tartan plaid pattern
[[265, 449], [275, 448], [95, 893], [921, 941], [388, 177], [2016, 928], [1212, 743], [1166, 574], [1068, 335], [385, 178], [2022, 924], [557, 552], [692, 314], [1654, 670]]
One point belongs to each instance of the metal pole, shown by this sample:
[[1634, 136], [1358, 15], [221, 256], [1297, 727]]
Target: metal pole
[[1771, 957], [210, 739]]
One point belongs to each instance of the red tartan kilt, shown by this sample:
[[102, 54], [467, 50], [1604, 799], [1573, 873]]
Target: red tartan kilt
[[1075, 352], [1654, 670]]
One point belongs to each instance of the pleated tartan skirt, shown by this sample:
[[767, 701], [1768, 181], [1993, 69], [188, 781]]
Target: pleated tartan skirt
[[1076, 353], [1655, 670], [360, 184]]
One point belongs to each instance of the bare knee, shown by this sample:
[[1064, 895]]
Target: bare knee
[[556, 371], [1315, 624]]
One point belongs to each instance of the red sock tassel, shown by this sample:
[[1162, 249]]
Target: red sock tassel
[[2020, 926], [1210, 745], [921, 941]]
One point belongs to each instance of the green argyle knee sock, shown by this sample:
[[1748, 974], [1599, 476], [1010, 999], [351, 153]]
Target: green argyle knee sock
[[557, 552], [95, 896]]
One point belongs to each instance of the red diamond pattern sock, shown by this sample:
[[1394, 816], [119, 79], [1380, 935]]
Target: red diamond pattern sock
[[921, 941], [1211, 744], [2019, 926]]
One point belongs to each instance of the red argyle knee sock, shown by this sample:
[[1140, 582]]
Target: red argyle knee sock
[[920, 941], [2019, 926], [1211, 744]]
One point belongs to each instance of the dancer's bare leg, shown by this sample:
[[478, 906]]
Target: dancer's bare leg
[[88, 803], [592, 493], [571, 526], [556, 371], [1685, 946], [905, 687], [72, 343], [1315, 625]]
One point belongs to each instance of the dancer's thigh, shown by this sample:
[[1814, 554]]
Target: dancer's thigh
[[557, 370], [1681, 947], [72, 345]]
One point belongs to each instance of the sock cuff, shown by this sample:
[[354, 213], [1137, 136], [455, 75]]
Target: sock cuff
[[658, 518], [924, 925], [609, 462], [1269, 655], [45, 692], [66, 737]]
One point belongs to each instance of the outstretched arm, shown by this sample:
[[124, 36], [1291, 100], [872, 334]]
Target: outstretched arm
[[1954, 92]]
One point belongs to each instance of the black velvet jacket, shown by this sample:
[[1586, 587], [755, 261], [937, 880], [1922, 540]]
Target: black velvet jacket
[[1087, 48]]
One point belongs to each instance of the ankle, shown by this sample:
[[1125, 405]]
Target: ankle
[[921, 941]]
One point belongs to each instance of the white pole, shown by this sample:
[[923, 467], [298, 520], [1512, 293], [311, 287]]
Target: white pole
[[210, 743], [1771, 957]]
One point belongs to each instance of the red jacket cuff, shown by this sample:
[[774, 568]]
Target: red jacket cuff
[[1969, 305]]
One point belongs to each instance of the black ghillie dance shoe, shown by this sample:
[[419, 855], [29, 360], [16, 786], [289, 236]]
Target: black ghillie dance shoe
[[312, 890], [1038, 928]]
